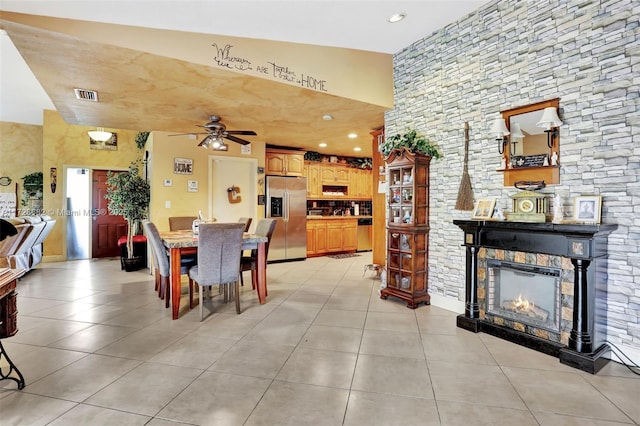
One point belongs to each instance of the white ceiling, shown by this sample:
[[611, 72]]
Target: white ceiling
[[351, 24]]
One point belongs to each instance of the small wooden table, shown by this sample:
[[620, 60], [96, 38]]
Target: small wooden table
[[8, 319], [186, 242]]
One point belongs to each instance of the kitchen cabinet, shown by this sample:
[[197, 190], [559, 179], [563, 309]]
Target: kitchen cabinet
[[350, 235], [331, 235], [360, 183], [316, 237], [312, 173], [408, 228], [280, 162], [334, 175]]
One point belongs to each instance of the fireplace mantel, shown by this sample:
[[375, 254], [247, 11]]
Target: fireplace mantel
[[585, 245]]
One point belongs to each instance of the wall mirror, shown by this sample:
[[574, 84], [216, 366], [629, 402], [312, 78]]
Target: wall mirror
[[528, 156]]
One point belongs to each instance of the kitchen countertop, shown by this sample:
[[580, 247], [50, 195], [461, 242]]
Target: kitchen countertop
[[318, 217]]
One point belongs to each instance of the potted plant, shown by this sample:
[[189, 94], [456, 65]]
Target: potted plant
[[128, 194], [409, 141]]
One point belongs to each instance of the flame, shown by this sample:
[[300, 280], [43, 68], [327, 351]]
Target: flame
[[522, 304]]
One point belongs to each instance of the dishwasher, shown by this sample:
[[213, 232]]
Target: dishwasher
[[364, 234]]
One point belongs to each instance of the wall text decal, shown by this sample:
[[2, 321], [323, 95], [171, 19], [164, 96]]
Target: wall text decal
[[224, 58]]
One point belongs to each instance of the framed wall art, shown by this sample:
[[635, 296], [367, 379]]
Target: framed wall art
[[587, 209], [109, 145], [484, 208]]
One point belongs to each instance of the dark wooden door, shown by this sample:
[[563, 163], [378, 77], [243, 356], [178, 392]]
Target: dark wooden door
[[105, 227]]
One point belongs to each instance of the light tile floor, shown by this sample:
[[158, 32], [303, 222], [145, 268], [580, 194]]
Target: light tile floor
[[97, 347]]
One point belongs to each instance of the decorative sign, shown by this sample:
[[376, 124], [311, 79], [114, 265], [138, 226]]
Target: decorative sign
[[225, 58], [7, 204], [529, 160], [183, 166], [245, 149], [192, 186]]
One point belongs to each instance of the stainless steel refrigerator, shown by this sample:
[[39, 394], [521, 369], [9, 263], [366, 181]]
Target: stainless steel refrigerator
[[287, 202]]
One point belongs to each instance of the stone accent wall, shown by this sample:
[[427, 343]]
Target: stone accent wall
[[509, 54]]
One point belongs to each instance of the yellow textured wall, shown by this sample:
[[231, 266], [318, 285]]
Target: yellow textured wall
[[65, 144], [20, 153], [25, 149], [164, 149]]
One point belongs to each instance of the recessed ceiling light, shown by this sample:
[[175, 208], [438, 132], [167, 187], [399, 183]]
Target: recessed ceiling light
[[357, 149], [352, 136], [397, 17], [322, 145], [327, 117]]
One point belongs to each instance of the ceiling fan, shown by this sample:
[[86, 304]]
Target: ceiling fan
[[216, 131]]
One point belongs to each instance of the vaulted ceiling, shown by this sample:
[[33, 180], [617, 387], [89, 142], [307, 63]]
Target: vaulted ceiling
[[163, 65]]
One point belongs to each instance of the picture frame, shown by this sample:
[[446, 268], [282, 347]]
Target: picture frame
[[109, 145], [587, 209], [483, 208]]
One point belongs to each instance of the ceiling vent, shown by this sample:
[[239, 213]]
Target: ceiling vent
[[86, 95]]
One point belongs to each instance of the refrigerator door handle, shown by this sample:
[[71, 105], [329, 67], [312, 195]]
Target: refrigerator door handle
[[286, 206]]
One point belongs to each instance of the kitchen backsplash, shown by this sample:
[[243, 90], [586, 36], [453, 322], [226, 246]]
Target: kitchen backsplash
[[328, 207]]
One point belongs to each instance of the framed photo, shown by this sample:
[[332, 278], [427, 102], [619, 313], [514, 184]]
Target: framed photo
[[587, 208], [484, 208], [109, 145]]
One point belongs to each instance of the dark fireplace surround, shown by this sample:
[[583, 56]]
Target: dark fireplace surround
[[584, 246]]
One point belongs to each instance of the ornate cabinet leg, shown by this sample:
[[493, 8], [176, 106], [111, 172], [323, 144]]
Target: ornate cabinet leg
[[12, 371]]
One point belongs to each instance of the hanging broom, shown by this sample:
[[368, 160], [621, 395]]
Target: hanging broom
[[465, 193]]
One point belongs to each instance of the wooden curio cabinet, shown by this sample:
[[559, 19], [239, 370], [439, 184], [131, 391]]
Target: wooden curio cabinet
[[407, 227]]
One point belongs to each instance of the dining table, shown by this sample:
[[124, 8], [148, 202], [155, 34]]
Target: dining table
[[185, 242]]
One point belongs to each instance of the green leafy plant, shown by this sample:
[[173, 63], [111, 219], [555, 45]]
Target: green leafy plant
[[361, 163], [312, 156], [128, 194], [32, 187], [141, 139], [411, 141]]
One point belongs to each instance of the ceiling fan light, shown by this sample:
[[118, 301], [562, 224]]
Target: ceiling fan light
[[221, 147], [100, 135], [206, 142]]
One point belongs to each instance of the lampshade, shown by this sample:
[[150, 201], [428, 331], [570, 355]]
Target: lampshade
[[516, 133], [100, 135], [549, 118], [499, 128], [206, 142]]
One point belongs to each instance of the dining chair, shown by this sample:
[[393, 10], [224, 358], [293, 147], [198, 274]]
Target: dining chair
[[181, 223], [219, 253], [247, 222], [265, 228], [161, 261]]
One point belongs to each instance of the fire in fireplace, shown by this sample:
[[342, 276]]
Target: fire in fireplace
[[526, 294]]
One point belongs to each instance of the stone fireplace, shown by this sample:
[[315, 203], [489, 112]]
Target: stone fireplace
[[541, 285], [527, 297]]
